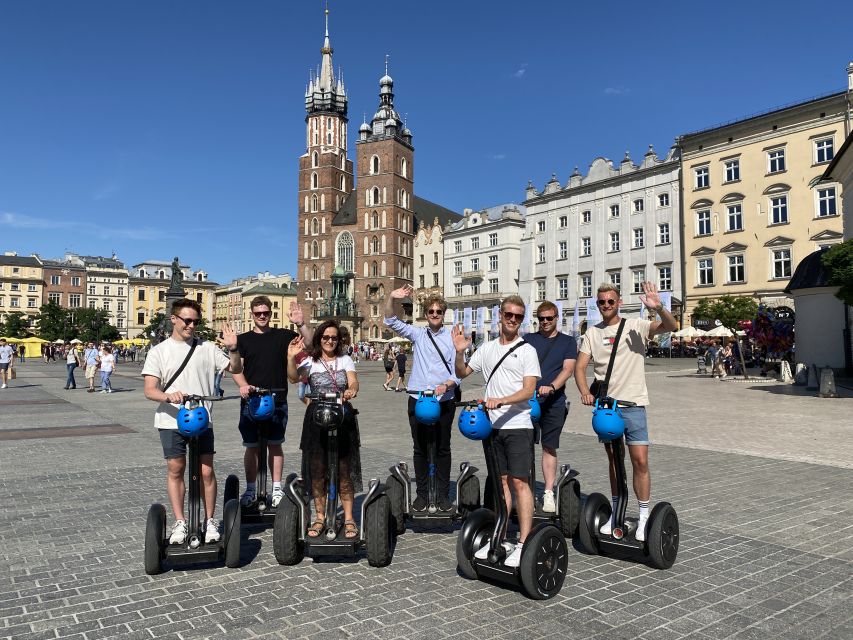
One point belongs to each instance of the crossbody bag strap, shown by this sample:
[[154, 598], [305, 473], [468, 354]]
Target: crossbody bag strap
[[613, 352], [181, 368], [440, 354], [505, 356]]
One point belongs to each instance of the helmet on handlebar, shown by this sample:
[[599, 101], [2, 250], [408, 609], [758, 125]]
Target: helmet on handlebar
[[535, 408], [474, 423], [607, 422], [193, 422], [326, 416], [261, 407], [427, 409]]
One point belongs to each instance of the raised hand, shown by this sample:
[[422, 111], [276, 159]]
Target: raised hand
[[651, 299], [460, 342], [296, 345], [295, 314], [229, 336], [403, 292]]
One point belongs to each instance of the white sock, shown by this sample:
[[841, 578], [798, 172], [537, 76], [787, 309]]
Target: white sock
[[276, 485], [644, 509]]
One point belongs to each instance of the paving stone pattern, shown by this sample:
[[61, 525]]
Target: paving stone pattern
[[760, 476]]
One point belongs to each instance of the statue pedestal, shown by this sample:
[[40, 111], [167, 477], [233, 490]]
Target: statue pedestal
[[165, 329]]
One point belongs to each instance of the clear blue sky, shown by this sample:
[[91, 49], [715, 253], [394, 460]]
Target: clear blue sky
[[159, 128]]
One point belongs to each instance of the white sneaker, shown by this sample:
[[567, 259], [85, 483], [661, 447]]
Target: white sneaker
[[211, 531], [3, 387], [640, 535], [277, 495], [514, 559], [109, 390], [103, 391], [548, 504], [248, 498], [483, 552], [607, 528], [179, 532]]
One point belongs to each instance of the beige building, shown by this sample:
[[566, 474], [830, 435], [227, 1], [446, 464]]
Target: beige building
[[752, 204], [21, 285], [280, 295], [429, 266], [228, 303], [106, 287]]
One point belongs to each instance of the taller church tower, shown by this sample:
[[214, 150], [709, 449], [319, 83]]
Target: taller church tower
[[325, 180]]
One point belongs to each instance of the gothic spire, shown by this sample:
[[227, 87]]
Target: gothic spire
[[325, 93]]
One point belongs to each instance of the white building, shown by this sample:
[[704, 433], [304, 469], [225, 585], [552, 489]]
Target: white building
[[428, 274], [107, 287], [616, 224]]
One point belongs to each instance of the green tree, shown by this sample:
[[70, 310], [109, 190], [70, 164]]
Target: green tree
[[93, 325], [730, 311], [55, 322], [202, 330], [839, 263], [15, 326]]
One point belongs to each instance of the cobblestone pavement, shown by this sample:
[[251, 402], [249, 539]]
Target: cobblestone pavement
[[760, 475]]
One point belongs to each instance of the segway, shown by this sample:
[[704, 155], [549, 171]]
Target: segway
[[260, 407], [567, 489], [662, 534], [398, 484], [291, 542], [193, 420], [544, 557]]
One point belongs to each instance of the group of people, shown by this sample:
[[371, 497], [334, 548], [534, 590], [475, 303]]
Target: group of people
[[514, 369]]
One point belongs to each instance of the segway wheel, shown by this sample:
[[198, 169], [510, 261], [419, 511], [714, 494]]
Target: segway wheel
[[662, 536], [396, 494], [469, 496], [596, 511], [232, 490], [544, 562], [288, 548], [231, 517], [474, 534], [155, 539], [380, 532], [570, 508]]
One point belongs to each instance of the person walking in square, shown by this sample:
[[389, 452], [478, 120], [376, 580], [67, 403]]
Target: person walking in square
[[7, 361]]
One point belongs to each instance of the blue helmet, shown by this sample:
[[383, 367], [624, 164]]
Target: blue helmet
[[607, 422], [535, 408], [427, 409], [261, 407], [474, 423], [193, 422]]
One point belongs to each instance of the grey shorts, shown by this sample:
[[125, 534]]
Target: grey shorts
[[175, 443], [4, 366], [636, 428]]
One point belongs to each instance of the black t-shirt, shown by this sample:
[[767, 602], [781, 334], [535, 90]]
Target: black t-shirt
[[564, 348], [265, 358]]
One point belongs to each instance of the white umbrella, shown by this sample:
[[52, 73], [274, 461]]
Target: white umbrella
[[689, 332], [59, 341], [76, 341], [719, 332], [398, 339]]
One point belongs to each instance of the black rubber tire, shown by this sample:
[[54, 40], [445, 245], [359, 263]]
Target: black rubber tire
[[231, 518], [397, 497], [232, 490], [469, 496], [662, 536], [570, 508], [155, 539], [544, 562], [595, 512], [380, 533], [475, 532], [287, 546]]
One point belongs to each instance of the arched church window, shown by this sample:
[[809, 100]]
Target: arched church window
[[315, 157], [345, 252]]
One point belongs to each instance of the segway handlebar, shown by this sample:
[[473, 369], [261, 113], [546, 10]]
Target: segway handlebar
[[191, 397], [263, 391], [613, 402], [327, 395], [473, 403]]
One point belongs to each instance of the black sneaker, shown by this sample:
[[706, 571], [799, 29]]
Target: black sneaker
[[445, 505], [419, 504]]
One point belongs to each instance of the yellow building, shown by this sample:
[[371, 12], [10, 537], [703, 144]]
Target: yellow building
[[21, 285], [752, 207], [229, 302], [280, 296]]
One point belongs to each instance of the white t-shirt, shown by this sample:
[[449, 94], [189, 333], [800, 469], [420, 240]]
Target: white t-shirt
[[320, 374], [628, 377], [508, 379], [197, 377], [71, 356], [108, 362], [6, 353]]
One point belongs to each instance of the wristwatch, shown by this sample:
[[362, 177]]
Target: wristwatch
[[299, 325]]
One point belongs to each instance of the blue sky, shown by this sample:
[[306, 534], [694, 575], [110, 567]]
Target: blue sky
[[163, 128]]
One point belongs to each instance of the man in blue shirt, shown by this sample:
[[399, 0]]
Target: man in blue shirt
[[433, 355], [557, 355]]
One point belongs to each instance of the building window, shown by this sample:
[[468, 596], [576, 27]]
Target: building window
[[564, 222], [562, 250], [493, 239], [663, 200], [493, 263], [665, 278], [140, 294], [775, 161], [475, 264], [826, 202], [639, 205], [823, 150], [540, 289], [663, 233], [31, 287], [435, 258], [779, 210], [198, 298], [435, 279], [638, 276], [422, 280], [54, 280], [314, 181], [614, 241], [74, 300], [781, 263], [31, 303], [422, 261], [586, 286], [703, 223], [314, 203], [639, 238], [732, 171], [540, 226], [55, 298], [493, 285], [736, 268], [16, 302], [120, 303], [734, 218], [457, 289], [705, 271], [346, 252], [457, 267], [457, 246], [475, 243], [586, 217], [91, 289], [475, 288], [92, 303], [161, 296], [106, 305], [701, 177], [586, 246], [140, 318], [374, 165], [375, 194], [562, 288], [616, 278], [120, 291], [614, 210], [75, 281], [540, 253]]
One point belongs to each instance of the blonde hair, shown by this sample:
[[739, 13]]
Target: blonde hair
[[513, 299], [606, 286]]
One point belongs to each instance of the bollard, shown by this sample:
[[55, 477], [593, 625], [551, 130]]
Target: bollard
[[812, 383], [785, 372], [827, 383], [801, 377]]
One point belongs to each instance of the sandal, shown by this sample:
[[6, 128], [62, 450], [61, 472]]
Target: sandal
[[316, 529], [350, 529]]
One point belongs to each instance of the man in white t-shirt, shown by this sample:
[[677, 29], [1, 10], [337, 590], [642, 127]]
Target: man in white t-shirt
[[7, 360], [627, 382], [508, 389], [196, 379]]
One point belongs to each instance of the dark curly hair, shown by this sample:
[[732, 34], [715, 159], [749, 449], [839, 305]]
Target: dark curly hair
[[315, 351]]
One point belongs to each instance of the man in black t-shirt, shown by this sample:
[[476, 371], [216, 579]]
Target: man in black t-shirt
[[263, 351]]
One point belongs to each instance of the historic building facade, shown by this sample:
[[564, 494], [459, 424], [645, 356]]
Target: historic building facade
[[64, 284], [428, 266], [106, 287], [21, 285]]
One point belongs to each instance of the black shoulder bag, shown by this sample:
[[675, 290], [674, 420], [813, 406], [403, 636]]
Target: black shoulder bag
[[457, 392], [183, 365], [599, 387]]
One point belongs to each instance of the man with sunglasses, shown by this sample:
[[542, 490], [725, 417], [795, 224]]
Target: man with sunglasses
[[196, 378], [557, 353], [432, 368], [263, 354], [627, 382], [510, 367]]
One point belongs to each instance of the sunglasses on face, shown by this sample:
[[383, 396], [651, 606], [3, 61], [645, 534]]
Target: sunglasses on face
[[435, 312], [546, 318], [188, 321], [261, 314], [509, 315], [606, 301], [329, 338]]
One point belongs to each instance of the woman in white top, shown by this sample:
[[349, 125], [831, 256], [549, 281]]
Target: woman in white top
[[328, 371], [108, 365]]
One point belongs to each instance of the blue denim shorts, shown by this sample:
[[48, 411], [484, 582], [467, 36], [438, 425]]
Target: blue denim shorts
[[636, 427]]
